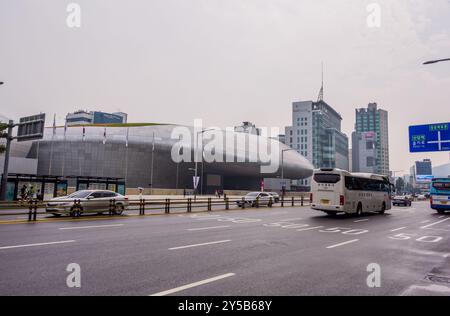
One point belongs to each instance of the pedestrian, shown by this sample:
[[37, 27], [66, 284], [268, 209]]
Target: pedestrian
[[32, 193], [141, 190]]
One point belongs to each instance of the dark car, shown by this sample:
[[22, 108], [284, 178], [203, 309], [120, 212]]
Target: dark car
[[401, 201]]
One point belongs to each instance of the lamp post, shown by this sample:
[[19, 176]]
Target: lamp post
[[436, 61], [282, 168], [196, 179]]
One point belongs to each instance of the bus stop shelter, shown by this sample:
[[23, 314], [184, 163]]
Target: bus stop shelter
[[99, 183]]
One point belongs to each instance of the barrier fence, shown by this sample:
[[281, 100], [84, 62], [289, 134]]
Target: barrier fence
[[77, 207]]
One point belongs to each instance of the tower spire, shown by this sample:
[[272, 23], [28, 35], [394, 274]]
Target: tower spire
[[320, 97]]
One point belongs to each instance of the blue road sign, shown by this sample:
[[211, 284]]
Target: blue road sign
[[431, 137]]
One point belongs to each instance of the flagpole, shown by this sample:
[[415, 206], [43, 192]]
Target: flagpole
[[51, 146], [64, 147], [126, 156], [151, 171]]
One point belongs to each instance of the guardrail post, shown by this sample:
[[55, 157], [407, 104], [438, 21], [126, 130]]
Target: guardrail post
[[209, 204], [189, 205], [111, 207], [227, 204], [292, 201], [30, 209], [282, 201], [302, 200], [257, 202], [167, 206], [270, 202], [35, 209], [243, 203]]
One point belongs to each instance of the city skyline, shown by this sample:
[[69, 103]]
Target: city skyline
[[249, 63]]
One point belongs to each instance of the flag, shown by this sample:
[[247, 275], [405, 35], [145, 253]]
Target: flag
[[84, 133], [126, 139], [104, 136]]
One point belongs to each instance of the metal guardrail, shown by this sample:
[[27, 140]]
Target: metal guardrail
[[144, 206]]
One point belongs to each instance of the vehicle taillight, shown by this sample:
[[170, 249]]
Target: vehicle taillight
[[342, 200], [311, 197], [431, 200]]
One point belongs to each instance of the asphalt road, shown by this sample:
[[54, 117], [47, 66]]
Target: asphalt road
[[277, 251]]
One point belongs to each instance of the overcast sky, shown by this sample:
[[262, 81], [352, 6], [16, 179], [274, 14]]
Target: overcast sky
[[227, 61]]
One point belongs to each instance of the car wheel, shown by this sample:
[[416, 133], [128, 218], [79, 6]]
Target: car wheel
[[359, 210], [119, 209], [331, 213], [440, 211]]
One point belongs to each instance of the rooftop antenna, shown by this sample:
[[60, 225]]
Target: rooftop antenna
[[320, 97]]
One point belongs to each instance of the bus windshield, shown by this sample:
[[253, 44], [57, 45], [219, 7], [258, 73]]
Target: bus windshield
[[327, 178]]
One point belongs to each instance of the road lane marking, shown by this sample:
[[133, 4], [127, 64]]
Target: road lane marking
[[206, 228], [202, 244], [195, 284], [39, 244], [442, 216], [425, 221], [361, 220], [87, 227], [400, 228], [435, 223], [309, 228], [342, 243], [291, 219]]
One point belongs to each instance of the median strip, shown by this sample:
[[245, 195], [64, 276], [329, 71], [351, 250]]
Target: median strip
[[191, 285], [202, 244], [38, 244]]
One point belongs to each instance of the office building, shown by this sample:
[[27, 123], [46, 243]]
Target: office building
[[364, 153], [82, 117], [316, 134], [372, 119]]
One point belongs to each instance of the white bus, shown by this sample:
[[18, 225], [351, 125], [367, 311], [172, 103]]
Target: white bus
[[336, 191]]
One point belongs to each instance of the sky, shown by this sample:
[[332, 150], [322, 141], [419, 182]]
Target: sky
[[228, 61]]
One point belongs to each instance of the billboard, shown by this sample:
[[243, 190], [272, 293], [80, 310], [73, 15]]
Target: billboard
[[429, 138], [424, 178], [31, 127]]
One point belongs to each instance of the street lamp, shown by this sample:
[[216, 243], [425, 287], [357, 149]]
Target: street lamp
[[196, 179], [436, 61], [282, 166]]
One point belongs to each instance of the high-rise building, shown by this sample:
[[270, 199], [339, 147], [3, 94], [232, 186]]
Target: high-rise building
[[82, 117], [372, 119], [364, 152], [421, 175], [316, 134]]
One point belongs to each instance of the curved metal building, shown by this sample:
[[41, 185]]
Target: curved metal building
[[129, 151]]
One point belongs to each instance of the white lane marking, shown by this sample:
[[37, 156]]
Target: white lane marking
[[441, 216], [206, 228], [87, 227], [202, 244], [39, 244], [400, 228], [191, 285], [435, 223], [342, 243], [310, 228], [361, 220], [291, 219], [425, 221]]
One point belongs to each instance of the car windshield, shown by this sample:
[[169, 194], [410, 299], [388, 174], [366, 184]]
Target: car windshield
[[253, 194], [79, 194]]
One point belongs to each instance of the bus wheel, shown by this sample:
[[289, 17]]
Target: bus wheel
[[359, 210], [440, 211], [383, 208]]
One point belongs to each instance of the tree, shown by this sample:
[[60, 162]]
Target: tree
[[400, 184], [3, 126]]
